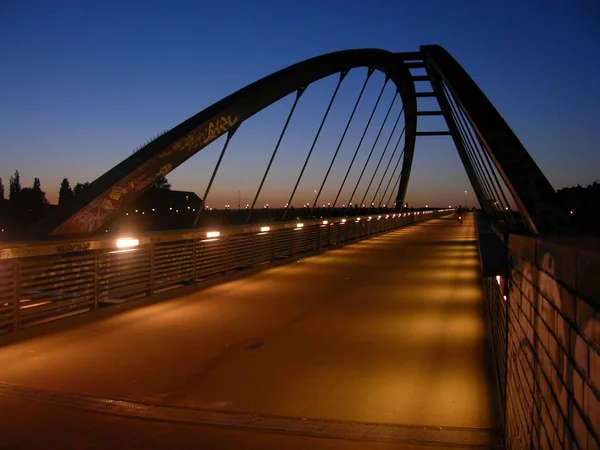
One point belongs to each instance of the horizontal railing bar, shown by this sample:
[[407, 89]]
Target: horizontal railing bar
[[78, 245]]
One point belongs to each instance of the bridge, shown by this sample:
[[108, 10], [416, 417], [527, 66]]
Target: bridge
[[348, 321]]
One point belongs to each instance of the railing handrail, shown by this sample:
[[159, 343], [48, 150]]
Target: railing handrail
[[11, 250]]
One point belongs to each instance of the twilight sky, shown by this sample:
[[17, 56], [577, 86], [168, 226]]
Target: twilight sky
[[84, 83]]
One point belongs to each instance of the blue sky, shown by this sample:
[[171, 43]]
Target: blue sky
[[84, 83]]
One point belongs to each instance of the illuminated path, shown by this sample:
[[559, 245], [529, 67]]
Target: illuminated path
[[385, 331]]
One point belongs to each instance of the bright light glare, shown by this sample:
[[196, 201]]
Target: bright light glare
[[325, 222], [299, 225], [213, 234], [127, 242], [343, 220], [265, 229], [358, 220], [498, 279]]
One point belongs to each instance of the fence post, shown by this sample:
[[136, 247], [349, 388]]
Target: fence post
[[194, 258], [16, 294], [151, 287], [96, 280]]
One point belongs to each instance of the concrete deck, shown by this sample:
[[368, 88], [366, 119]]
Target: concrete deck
[[385, 331]]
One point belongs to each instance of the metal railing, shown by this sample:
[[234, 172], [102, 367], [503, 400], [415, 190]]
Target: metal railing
[[44, 281]]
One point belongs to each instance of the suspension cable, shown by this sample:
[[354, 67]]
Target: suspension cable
[[392, 191], [312, 147], [481, 173], [369, 73], [299, 93], [362, 202], [388, 166], [230, 134], [391, 178], [360, 143], [372, 149], [477, 152]]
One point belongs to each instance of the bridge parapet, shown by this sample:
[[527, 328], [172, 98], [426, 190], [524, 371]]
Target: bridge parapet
[[547, 312], [41, 282]]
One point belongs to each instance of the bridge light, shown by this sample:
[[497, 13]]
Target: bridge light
[[358, 219], [170, 209], [213, 234], [126, 214], [265, 229], [343, 221], [136, 210], [127, 242], [325, 222], [153, 209], [299, 225], [570, 212], [370, 217], [498, 279]]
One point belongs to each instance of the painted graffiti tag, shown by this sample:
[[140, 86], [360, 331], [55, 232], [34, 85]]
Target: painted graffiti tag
[[69, 248], [206, 134]]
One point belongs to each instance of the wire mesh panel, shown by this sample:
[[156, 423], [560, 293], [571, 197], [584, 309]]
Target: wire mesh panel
[[283, 243], [262, 247], [312, 237], [324, 233], [55, 286], [211, 257], [497, 307], [124, 274], [299, 239], [7, 297], [240, 252], [173, 264]]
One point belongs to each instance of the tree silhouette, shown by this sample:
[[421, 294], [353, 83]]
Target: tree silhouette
[[80, 187], [1, 190], [14, 187], [162, 183], [37, 185], [65, 192]]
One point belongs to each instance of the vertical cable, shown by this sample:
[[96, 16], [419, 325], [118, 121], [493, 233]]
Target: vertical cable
[[388, 165], [369, 73], [483, 174], [359, 143], [463, 124], [361, 204], [391, 178], [299, 93], [312, 147], [214, 174], [373, 148], [392, 191]]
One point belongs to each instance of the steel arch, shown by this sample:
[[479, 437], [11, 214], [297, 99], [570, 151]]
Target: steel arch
[[531, 190], [129, 179]]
